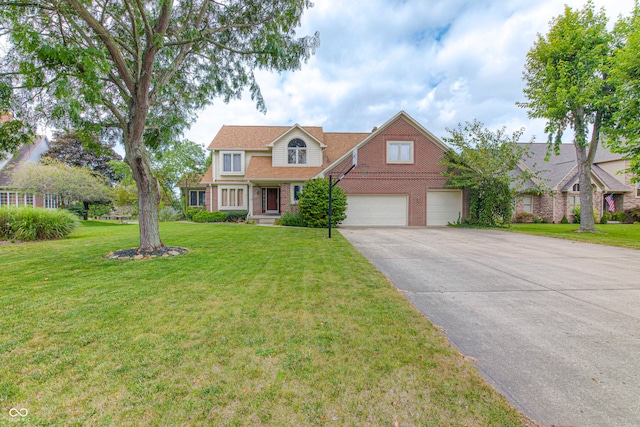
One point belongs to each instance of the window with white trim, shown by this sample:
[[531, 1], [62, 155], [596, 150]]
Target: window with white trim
[[638, 189], [297, 152], [574, 201], [4, 198], [29, 200], [197, 198], [232, 198], [527, 204], [400, 152], [51, 201], [295, 193], [232, 163]]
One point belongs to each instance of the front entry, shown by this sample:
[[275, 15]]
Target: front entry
[[271, 200]]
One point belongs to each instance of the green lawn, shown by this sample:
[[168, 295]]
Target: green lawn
[[255, 326], [623, 235]]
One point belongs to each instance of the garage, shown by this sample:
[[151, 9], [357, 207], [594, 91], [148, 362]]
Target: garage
[[378, 210], [443, 207]]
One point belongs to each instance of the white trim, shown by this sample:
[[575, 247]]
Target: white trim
[[232, 172], [291, 129], [431, 137], [292, 199], [399, 144], [242, 207]]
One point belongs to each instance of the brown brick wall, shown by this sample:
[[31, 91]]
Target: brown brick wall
[[374, 176]]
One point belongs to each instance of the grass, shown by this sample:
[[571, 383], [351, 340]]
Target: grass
[[622, 235], [255, 326]]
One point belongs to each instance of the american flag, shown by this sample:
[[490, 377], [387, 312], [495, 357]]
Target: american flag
[[612, 206]]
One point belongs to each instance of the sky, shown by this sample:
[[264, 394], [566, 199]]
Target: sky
[[442, 62]]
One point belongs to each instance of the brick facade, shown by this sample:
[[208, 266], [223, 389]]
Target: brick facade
[[375, 176]]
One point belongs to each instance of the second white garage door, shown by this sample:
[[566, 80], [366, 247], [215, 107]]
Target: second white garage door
[[389, 210], [443, 207]]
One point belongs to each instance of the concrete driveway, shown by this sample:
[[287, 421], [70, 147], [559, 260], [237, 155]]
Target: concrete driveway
[[554, 325]]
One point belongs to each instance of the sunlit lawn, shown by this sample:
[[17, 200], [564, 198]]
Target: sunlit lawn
[[623, 235], [255, 326]]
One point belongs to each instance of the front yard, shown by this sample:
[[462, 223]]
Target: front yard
[[623, 235], [255, 326]]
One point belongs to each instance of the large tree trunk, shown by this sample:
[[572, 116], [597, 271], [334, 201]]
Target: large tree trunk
[[585, 153], [587, 221], [148, 197]]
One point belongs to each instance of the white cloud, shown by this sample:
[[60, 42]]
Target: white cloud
[[444, 62]]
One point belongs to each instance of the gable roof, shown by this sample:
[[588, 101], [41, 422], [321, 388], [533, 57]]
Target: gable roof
[[562, 168], [377, 131], [26, 153], [256, 137]]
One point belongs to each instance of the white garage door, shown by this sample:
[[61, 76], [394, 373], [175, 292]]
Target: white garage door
[[376, 210], [443, 207]]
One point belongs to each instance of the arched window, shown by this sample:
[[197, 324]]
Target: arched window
[[576, 186], [297, 152]]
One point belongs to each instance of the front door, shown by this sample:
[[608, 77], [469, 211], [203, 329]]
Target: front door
[[270, 200]]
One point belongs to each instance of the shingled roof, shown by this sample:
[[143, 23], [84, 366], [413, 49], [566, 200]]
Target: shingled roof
[[27, 152], [562, 167]]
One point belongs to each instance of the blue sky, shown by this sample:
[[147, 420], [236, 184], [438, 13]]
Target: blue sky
[[443, 62]]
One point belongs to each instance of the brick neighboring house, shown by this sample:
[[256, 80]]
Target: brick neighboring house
[[560, 175], [12, 196], [397, 181]]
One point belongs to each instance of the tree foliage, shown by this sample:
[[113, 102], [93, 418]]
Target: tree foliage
[[69, 183], [68, 148], [138, 71], [484, 162], [567, 83], [13, 133], [181, 161], [624, 130], [314, 204]]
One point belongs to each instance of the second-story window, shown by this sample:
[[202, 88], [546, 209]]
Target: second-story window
[[232, 163], [297, 152]]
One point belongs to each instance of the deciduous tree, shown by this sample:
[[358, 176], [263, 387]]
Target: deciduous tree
[[139, 70], [566, 83], [485, 163], [69, 183], [624, 130], [68, 148]]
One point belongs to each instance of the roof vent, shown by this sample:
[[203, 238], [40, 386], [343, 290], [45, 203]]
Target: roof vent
[[375, 128]]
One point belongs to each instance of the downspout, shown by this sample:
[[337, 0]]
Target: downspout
[[210, 197], [553, 198]]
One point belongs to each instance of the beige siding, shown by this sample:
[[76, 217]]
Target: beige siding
[[314, 151]]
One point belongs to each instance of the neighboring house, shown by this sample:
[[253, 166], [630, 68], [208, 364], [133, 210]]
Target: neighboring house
[[12, 196], [398, 179], [612, 187]]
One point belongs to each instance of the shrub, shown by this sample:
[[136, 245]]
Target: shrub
[[236, 216], [36, 223], [564, 220], [606, 217], [632, 215], [619, 216], [292, 220], [206, 216], [524, 217], [168, 214], [576, 215], [98, 209], [78, 209], [191, 212], [314, 203]]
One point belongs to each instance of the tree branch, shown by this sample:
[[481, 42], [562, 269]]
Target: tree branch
[[108, 41]]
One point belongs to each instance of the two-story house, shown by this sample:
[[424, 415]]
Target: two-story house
[[397, 180]]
